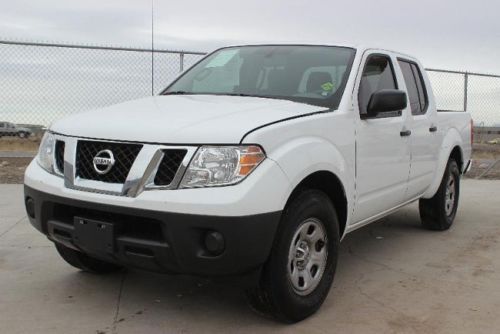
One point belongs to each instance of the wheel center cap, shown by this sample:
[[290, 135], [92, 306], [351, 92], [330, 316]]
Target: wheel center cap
[[302, 255]]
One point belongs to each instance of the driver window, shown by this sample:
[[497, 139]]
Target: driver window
[[378, 74]]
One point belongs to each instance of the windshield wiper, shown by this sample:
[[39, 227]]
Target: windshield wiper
[[239, 94], [176, 92]]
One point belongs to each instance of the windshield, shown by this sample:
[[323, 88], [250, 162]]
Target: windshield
[[309, 74]]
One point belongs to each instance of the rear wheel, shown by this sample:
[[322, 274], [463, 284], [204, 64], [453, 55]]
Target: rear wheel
[[22, 135], [438, 212], [85, 262], [297, 277]]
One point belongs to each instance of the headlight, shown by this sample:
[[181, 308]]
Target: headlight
[[45, 155], [221, 165]]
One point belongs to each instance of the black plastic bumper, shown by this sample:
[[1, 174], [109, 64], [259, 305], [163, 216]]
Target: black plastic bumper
[[152, 240]]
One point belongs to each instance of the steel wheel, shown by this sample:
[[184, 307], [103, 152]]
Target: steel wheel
[[449, 201], [307, 256]]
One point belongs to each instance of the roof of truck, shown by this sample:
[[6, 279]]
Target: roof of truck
[[358, 47]]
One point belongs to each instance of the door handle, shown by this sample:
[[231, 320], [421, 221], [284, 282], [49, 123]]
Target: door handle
[[405, 133], [433, 128]]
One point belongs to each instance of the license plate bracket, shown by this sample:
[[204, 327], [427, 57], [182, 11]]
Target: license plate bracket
[[93, 235]]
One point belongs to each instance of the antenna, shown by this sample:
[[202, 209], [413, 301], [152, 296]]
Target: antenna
[[152, 50]]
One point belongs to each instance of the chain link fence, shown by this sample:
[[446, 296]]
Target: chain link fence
[[43, 82], [476, 93]]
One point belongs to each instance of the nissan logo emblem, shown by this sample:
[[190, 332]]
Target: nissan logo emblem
[[103, 162]]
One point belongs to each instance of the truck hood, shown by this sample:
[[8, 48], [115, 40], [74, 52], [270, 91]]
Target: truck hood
[[181, 119]]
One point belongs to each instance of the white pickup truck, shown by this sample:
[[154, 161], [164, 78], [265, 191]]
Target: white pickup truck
[[255, 162]]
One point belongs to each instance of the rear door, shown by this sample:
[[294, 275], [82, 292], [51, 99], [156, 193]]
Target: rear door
[[382, 150], [424, 146]]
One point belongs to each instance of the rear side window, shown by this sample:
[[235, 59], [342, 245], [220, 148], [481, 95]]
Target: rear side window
[[378, 74], [411, 87], [415, 86], [422, 91]]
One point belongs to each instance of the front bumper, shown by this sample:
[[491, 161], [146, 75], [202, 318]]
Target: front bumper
[[156, 240]]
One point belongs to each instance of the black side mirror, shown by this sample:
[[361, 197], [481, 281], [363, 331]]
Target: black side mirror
[[386, 100]]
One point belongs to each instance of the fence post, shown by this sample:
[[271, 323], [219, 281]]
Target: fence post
[[181, 62], [466, 90]]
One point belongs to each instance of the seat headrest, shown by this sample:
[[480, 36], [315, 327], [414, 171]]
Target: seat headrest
[[316, 80]]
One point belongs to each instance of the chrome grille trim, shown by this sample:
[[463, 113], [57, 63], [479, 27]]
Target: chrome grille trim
[[140, 177], [123, 156]]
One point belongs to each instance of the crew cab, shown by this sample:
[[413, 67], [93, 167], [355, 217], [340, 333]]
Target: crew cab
[[255, 162]]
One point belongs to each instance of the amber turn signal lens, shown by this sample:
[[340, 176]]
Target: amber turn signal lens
[[250, 158]]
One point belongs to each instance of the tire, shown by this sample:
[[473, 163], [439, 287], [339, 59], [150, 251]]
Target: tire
[[22, 135], [281, 293], [86, 263], [438, 212]]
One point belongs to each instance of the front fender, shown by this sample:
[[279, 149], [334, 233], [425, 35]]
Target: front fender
[[451, 140], [304, 156]]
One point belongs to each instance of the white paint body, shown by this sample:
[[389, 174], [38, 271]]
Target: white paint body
[[380, 171]]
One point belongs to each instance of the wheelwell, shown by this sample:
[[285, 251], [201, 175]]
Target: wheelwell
[[330, 184], [456, 154]]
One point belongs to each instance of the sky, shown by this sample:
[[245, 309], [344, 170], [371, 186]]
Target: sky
[[451, 34], [446, 34]]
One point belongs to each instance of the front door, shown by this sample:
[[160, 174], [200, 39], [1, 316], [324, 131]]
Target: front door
[[382, 144]]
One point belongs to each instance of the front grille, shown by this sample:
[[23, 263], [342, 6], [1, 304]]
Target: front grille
[[169, 166], [59, 154], [124, 156]]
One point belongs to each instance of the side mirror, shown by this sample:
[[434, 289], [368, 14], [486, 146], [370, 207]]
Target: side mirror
[[386, 100]]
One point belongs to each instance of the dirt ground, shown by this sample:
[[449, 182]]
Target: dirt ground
[[10, 144], [486, 160], [12, 169]]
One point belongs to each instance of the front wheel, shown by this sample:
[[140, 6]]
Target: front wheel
[[299, 272], [23, 135], [438, 212]]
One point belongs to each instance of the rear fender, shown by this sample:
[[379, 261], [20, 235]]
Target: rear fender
[[451, 140]]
